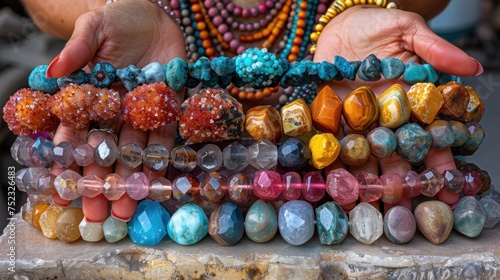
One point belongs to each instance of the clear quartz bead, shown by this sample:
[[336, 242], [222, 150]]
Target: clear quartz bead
[[263, 155], [184, 158], [365, 223], [130, 155], [209, 158], [155, 157], [105, 153], [160, 189], [235, 157]]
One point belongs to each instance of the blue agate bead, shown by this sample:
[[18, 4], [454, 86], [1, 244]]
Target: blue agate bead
[[392, 68], [347, 68], [399, 225], [468, 217], [332, 223], [176, 73], [102, 75], [223, 66], [414, 73], [414, 142], [432, 75], [261, 222], [328, 71], [188, 225], [79, 77], [131, 76], [148, 225], [39, 81], [153, 73], [382, 142], [226, 224], [293, 154], [296, 222], [370, 69]]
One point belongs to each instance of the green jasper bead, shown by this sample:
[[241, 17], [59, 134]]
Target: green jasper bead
[[332, 223]]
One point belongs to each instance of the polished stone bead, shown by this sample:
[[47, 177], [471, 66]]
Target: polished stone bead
[[91, 231], [89, 186], [83, 154], [160, 189], [264, 122], [432, 182], [360, 108], [325, 149], [432, 75], [342, 186], [442, 134], [454, 180], [267, 184], [382, 142], [395, 109], [414, 73], [461, 132], [41, 152], [105, 153], [263, 155], [370, 187], [370, 69], [67, 224], [326, 110], [392, 185], [472, 183], [209, 158], [148, 226], [226, 224], [468, 217], [155, 157], [27, 211], [213, 187], [332, 223], [491, 210], [296, 222], [38, 209], [414, 142], [347, 68], [425, 101], [66, 184], [20, 150], [30, 179], [240, 189], [472, 144], [485, 180], [365, 223], [399, 225], [235, 157], [392, 68], [188, 225], [184, 158], [293, 154], [62, 154], [113, 187], [261, 222], [313, 186], [296, 118], [185, 188], [48, 221], [412, 186], [114, 230], [137, 186], [434, 220], [18, 179], [354, 150], [475, 108], [455, 97], [130, 155]]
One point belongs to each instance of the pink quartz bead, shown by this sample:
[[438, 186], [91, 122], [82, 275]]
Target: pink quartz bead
[[432, 182], [292, 185], [314, 186], [392, 188], [113, 187], [46, 184], [240, 49], [160, 189], [412, 186], [267, 184], [223, 28], [240, 190], [472, 183], [89, 186], [342, 186], [254, 11], [370, 187], [137, 186], [233, 44], [83, 154], [245, 12], [213, 188], [228, 36]]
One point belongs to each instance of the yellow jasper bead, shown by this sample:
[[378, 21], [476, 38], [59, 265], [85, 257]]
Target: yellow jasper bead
[[475, 108], [395, 109], [296, 118], [325, 149], [319, 27], [264, 122], [360, 108], [425, 101], [326, 110], [48, 221]]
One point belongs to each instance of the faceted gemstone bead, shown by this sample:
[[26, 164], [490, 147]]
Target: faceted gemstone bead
[[354, 150], [160, 189], [332, 223], [382, 142], [38, 209], [370, 187], [392, 68], [360, 108], [455, 97], [63, 154], [414, 73], [454, 180], [188, 225], [267, 184], [475, 108], [325, 149], [240, 189], [130, 155], [235, 157], [137, 186], [399, 225], [472, 183], [425, 101], [296, 118], [261, 222], [41, 152], [491, 210], [184, 158], [48, 220], [209, 158], [313, 186], [472, 144], [442, 134], [434, 220], [155, 157], [365, 223], [370, 69], [292, 185], [90, 231], [185, 188], [83, 154], [263, 155], [392, 188], [148, 226], [296, 222], [432, 182], [46, 184], [293, 154], [468, 217], [264, 122], [114, 230], [485, 180], [412, 186], [113, 187], [414, 142], [395, 109], [213, 187], [226, 224], [67, 224], [89, 186], [66, 184], [326, 110], [20, 150], [342, 186], [27, 211], [461, 132], [105, 153], [30, 179], [19, 179]]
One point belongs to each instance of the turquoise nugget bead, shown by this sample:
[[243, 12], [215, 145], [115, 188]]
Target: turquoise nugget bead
[[432, 75], [327, 71], [38, 81], [188, 225], [223, 66], [148, 225], [392, 68], [79, 77], [103, 75], [201, 70], [131, 76], [414, 142], [370, 69], [332, 223], [153, 73], [177, 73], [347, 68], [414, 73]]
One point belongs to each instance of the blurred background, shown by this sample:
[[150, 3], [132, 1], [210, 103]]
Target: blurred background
[[473, 25]]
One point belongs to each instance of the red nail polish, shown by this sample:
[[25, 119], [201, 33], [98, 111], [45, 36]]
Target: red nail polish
[[48, 73]]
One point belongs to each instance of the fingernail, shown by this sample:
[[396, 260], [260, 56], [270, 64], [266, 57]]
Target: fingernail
[[121, 219], [48, 73], [90, 221], [480, 68]]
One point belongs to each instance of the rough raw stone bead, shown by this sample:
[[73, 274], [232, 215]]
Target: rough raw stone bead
[[41, 152], [454, 180], [63, 154], [414, 73], [131, 76], [148, 226], [213, 187], [326, 110], [294, 77], [354, 150], [114, 230], [442, 134], [332, 223], [185, 188], [382, 142], [209, 158], [468, 217], [425, 101], [91, 231], [48, 221], [130, 155], [66, 184], [296, 222], [461, 133], [475, 108], [347, 68], [89, 186], [154, 72], [102, 75], [177, 73], [235, 157], [263, 155], [360, 108], [264, 122], [137, 186], [293, 154], [365, 223], [370, 69], [328, 71], [399, 225], [395, 109], [113, 187], [184, 158], [432, 182], [38, 80], [296, 118], [432, 75], [392, 68], [83, 154], [370, 187], [240, 190], [491, 209], [188, 225], [413, 142], [226, 224], [67, 224], [155, 157], [342, 186], [201, 70], [78, 77], [160, 189], [267, 184], [434, 220], [105, 153], [223, 66], [261, 222], [325, 149], [456, 99]]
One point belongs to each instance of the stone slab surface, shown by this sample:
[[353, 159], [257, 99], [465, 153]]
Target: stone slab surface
[[459, 257]]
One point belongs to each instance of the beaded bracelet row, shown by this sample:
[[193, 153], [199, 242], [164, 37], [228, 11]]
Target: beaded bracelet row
[[161, 4]]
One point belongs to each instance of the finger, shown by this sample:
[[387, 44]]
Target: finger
[[442, 160], [165, 136]]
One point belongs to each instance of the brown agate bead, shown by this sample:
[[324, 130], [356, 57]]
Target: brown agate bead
[[296, 118], [455, 97], [360, 108], [425, 101], [475, 108], [326, 110], [264, 122], [67, 225]]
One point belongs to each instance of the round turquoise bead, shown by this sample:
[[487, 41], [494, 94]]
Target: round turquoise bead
[[188, 225], [148, 225], [261, 222], [414, 142]]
